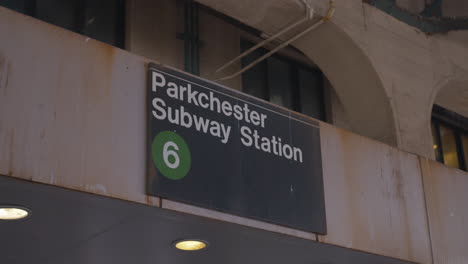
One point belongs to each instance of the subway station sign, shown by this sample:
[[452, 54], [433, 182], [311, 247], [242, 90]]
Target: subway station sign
[[220, 149]]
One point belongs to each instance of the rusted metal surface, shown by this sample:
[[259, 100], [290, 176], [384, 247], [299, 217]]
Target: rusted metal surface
[[446, 191], [374, 197]]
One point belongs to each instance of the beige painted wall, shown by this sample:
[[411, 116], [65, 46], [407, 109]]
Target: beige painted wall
[[374, 197], [454, 96], [73, 106], [446, 196]]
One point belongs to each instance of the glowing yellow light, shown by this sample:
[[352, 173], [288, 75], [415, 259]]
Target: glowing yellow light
[[190, 245], [435, 146], [12, 213]]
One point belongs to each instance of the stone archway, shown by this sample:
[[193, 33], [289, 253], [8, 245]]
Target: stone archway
[[354, 80], [344, 63]]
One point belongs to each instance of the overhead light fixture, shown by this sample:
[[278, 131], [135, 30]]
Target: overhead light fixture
[[190, 244], [9, 212]]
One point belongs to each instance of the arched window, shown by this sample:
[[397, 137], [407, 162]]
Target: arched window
[[450, 136], [285, 81]]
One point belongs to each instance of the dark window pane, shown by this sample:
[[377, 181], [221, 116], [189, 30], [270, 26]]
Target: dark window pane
[[310, 92], [59, 12], [17, 5], [283, 82], [449, 146], [254, 80], [279, 82], [436, 143], [101, 21]]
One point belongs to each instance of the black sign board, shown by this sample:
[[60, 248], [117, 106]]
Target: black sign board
[[220, 149]]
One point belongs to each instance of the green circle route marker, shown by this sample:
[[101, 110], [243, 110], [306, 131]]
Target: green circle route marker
[[171, 155]]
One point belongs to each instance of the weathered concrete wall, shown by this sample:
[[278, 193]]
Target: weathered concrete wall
[[152, 28], [446, 196]]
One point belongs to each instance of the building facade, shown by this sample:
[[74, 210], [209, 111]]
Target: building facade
[[391, 101]]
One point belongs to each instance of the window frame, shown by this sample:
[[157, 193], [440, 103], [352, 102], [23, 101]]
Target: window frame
[[30, 9], [290, 55], [459, 124], [294, 67]]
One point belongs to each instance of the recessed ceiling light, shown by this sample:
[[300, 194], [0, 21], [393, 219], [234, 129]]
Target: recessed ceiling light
[[8, 212], [190, 244]]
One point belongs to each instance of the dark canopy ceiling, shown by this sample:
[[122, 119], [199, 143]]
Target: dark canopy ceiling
[[73, 227]]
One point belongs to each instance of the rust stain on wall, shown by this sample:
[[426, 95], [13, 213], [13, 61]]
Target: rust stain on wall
[[402, 198], [373, 187], [354, 191], [98, 77]]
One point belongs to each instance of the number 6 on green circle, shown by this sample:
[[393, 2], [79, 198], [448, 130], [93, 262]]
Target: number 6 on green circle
[[171, 155]]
